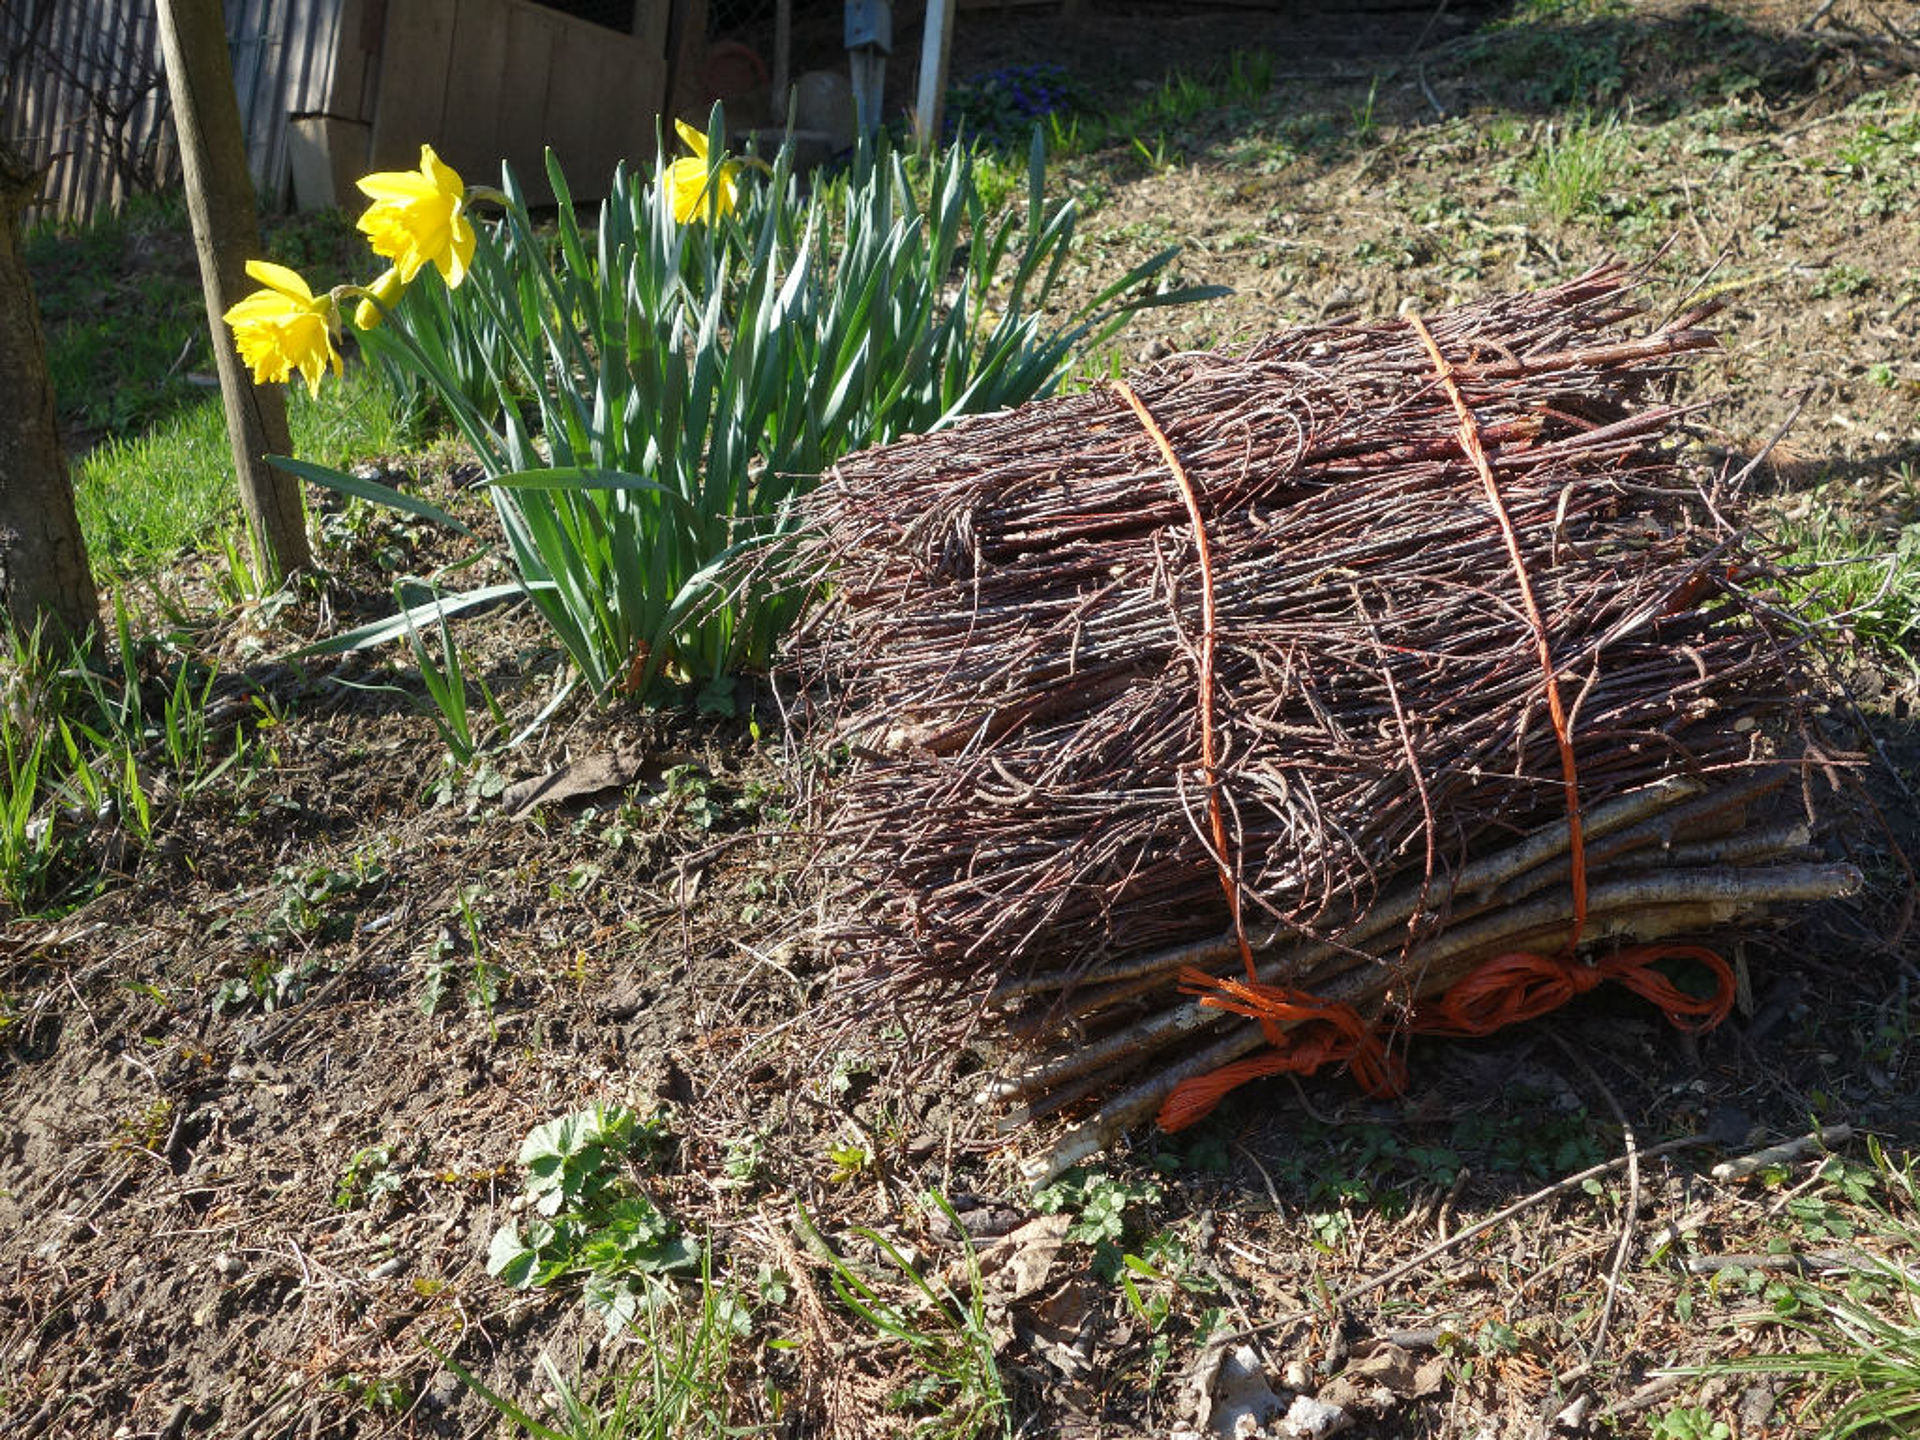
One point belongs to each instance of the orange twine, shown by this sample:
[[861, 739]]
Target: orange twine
[[1524, 986], [1320, 1033], [1305, 1033], [1506, 990], [1542, 645], [1209, 768]]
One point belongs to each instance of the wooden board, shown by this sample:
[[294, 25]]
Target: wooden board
[[327, 154], [633, 89], [533, 39], [477, 68], [490, 80], [415, 49], [687, 61], [356, 52], [650, 25]]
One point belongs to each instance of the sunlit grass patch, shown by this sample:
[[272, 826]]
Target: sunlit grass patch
[[1858, 568], [1576, 165], [146, 498], [124, 319]]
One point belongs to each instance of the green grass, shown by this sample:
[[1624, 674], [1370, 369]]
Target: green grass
[[679, 1388], [957, 1391], [120, 303], [1556, 52], [1858, 1338], [1153, 125], [1576, 165], [1859, 570], [146, 499], [81, 746]]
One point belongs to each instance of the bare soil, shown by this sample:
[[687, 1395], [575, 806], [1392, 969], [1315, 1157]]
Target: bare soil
[[250, 1173]]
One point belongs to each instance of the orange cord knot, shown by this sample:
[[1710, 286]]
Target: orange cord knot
[[1304, 1034], [1524, 986]]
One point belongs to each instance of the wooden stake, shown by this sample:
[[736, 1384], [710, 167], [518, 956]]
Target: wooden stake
[[226, 234]]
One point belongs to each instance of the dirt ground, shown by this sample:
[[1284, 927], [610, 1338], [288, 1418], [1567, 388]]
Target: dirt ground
[[264, 1096]]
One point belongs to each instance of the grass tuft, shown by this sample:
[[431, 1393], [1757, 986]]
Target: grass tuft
[[1857, 570], [1576, 165], [1859, 1325]]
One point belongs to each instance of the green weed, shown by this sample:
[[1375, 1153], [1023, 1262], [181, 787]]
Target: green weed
[[1155, 157], [1688, 1422], [1249, 75], [590, 1221], [369, 1176], [1144, 125], [459, 950], [959, 1391], [679, 1389], [456, 700], [1882, 158], [1841, 278], [1366, 120]]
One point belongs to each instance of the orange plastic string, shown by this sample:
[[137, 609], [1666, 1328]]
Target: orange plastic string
[[1321, 1033], [1504, 991], [1524, 986], [1543, 646], [1209, 766]]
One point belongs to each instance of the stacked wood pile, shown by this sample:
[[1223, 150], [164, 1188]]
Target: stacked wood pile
[[1338, 736]]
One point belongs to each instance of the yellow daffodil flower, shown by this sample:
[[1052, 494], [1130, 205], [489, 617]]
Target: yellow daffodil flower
[[697, 188], [418, 218], [387, 291], [284, 328]]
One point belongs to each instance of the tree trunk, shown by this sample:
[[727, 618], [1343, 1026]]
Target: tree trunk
[[44, 576], [226, 234]]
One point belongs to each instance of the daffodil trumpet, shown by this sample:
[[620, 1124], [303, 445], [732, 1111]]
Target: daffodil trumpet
[[697, 186]]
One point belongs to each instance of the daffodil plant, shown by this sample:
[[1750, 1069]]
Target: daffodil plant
[[648, 395]]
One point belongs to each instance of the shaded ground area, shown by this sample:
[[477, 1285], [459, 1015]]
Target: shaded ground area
[[266, 1094]]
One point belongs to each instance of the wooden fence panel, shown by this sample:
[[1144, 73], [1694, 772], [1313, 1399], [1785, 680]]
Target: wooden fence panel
[[82, 90], [84, 94]]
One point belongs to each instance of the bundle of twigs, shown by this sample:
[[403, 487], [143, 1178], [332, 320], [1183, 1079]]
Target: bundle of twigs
[[1072, 714]]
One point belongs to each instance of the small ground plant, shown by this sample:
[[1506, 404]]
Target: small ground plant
[[590, 1221]]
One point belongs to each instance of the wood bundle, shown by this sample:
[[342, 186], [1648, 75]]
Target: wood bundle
[[1014, 628]]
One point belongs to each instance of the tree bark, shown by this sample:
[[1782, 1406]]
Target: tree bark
[[44, 576], [226, 234]]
